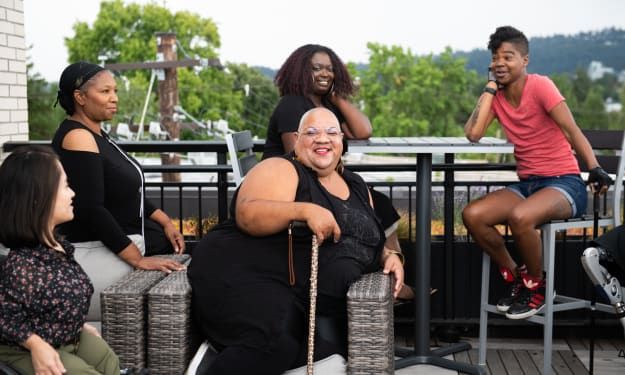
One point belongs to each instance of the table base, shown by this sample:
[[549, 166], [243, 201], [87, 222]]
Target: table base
[[435, 359]]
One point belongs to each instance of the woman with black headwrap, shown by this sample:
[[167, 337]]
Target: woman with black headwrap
[[114, 225]]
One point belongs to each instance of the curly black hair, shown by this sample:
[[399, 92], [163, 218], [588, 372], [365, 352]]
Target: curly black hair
[[294, 77], [511, 35]]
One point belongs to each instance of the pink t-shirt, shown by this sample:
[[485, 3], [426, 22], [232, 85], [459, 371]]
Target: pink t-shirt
[[540, 147]]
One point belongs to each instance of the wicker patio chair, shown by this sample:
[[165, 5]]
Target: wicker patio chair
[[370, 325], [124, 312], [171, 340], [371, 340]]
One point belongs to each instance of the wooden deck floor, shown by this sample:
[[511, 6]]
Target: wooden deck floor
[[525, 357]]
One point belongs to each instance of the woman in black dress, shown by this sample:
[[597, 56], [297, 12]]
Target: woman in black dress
[[249, 295]]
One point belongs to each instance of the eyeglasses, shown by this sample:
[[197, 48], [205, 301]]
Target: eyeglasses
[[312, 132]]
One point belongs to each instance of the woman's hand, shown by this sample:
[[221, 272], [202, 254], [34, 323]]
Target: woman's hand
[[91, 330], [322, 223], [45, 359], [393, 264], [175, 237], [159, 264]]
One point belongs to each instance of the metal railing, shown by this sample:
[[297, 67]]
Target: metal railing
[[196, 205]]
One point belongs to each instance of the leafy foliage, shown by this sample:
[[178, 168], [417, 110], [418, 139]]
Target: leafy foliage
[[43, 118], [126, 33], [406, 95], [259, 96]]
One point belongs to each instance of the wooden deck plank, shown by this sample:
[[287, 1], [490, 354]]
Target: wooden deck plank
[[518, 344], [607, 362], [510, 361], [527, 364], [559, 365], [604, 344], [575, 343], [537, 357], [493, 361], [474, 356], [573, 362], [618, 343], [462, 357], [525, 357]]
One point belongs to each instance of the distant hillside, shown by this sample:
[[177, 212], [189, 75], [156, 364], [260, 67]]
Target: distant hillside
[[267, 72], [564, 53], [549, 55]]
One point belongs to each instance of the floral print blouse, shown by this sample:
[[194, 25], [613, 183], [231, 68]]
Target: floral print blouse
[[43, 292]]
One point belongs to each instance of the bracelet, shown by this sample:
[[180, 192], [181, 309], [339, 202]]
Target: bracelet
[[399, 254], [490, 90]]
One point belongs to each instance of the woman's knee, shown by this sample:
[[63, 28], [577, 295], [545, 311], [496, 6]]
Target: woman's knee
[[520, 220], [97, 353], [472, 214]]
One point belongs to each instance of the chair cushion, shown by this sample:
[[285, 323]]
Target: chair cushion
[[332, 365]]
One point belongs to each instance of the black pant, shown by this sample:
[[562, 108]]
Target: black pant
[[288, 351]]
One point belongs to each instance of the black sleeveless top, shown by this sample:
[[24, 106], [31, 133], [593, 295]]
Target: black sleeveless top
[[361, 243], [108, 187]]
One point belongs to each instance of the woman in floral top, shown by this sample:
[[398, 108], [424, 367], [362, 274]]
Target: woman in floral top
[[44, 293]]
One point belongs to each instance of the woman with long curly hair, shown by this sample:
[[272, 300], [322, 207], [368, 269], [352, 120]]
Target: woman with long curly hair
[[312, 76]]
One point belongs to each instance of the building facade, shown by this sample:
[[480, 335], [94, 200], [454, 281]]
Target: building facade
[[13, 101]]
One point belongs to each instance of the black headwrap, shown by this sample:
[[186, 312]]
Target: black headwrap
[[73, 78]]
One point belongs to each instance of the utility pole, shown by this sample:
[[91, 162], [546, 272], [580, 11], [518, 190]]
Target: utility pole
[[168, 98], [165, 68]]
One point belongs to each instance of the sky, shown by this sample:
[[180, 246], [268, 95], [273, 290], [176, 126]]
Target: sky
[[264, 33]]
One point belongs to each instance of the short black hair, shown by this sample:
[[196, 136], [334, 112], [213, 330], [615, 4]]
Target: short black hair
[[511, 35], [29, 180]]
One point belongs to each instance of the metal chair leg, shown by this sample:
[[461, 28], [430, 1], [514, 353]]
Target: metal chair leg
[[549, 259], [483, 311]]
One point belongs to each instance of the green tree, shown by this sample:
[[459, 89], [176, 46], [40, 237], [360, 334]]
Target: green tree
[[581, 85], [126, 33], [592, 113], [260, 96], [43, 118], [564, 83], [406, 95]]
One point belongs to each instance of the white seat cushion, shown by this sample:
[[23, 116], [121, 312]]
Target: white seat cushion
[[332, 365]]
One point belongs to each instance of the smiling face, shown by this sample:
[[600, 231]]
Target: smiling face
[[62, 210], [319, 142], [322, 72], [98, 97], [509, 63]]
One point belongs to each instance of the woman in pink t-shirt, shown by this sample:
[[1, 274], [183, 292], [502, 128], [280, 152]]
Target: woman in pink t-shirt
[[538, 122]]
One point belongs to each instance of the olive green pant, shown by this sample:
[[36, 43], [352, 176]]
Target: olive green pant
[[91, 355]]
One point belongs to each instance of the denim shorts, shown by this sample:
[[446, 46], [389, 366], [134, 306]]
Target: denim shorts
[[570, 185]]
